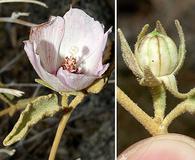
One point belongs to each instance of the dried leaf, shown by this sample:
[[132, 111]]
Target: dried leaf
[[98, 85], [107, 52], [44, 106]]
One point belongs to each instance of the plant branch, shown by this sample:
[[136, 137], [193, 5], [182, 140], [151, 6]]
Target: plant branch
[[177, 111], [5, 100], [75, 102], [25, 1], [14, 107], [17, 21], [137, 112]]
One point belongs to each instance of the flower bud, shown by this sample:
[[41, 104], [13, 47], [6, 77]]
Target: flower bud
[[158, 52]]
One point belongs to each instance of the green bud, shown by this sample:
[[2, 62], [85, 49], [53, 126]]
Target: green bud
[[158, 52]]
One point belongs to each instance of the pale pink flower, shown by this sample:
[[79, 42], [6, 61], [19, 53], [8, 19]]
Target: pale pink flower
[[67, 52]]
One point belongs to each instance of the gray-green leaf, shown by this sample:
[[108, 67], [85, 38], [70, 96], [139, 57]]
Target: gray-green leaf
[[44, 106]]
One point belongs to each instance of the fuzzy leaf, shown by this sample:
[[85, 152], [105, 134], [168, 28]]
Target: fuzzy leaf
[[44, 106]]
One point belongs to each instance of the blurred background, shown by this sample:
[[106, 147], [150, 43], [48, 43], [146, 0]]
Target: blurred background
[[89, 134], [132, 16]]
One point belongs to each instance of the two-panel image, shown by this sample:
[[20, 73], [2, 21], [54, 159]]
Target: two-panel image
[[97, 80]]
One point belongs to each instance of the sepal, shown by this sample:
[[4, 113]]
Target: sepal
[[149, 79], [128, 56], [170, 83]]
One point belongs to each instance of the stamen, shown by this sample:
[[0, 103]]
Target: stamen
[[70, 64]]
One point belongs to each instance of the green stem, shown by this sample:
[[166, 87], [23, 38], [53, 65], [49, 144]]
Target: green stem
[[159, 102], [176, 112], [63, 122]]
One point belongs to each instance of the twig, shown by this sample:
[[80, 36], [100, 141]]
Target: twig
[[8, 152], [111, 81], [25, 1], [14, 60], [16, 15], [22, 85], [14, 92], [137, 112], [17, 21], [36, 91], [14, 107], [5, 100], [35, 137], [75, 102], [177, 111]]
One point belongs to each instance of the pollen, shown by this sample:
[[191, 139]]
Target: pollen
[[70, 64]]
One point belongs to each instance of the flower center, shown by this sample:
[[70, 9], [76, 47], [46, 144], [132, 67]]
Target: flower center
[[70, 64]]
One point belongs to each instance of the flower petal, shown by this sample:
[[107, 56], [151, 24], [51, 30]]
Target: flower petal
[[84, 38], [103, 69], [75, 81], [98, 68], [47, 38], [43, 74]]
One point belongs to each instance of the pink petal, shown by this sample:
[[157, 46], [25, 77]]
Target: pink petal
[[98, 68], [75, 81], [81, 32], [43, 74], [103, 69], [47, 38]]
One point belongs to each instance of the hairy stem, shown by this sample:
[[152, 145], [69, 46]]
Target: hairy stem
[[150, 125], [177, 111], [159, 102], [75, 102]]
